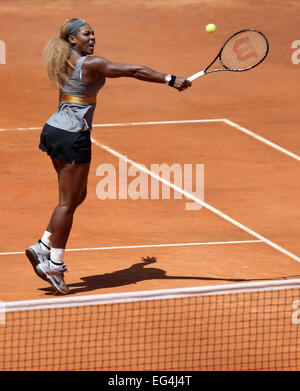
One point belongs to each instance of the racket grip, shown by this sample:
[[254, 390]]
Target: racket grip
[[196, 75]]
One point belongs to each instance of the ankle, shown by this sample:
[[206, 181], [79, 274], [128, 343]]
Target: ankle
[[57, 255], [44, 246], [46, 240], [55, 265]]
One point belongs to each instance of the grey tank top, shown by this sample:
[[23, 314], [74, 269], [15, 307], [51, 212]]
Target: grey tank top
[[76, 117]]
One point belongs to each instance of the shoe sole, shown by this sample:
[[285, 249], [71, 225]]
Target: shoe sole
[[48, 279], [31, 255]]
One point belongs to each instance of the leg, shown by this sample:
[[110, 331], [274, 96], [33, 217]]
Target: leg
[[72, 180], [39, 252], [58, 165]]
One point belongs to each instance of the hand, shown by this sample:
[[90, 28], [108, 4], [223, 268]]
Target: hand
[[182, 84]]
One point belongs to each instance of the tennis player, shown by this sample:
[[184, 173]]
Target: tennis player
[[66, 135]]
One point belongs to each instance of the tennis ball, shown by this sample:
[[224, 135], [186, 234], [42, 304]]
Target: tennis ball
[[211, 28]]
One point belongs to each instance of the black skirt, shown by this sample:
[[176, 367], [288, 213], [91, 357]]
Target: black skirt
[[65, 145]]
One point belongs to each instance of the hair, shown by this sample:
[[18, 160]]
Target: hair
[[56, 57]]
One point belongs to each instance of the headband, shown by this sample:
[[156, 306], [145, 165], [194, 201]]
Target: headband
[[74, 26]]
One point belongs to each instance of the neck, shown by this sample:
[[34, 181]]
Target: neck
[[77, 52]]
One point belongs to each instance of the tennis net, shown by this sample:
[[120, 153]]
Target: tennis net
[[249, 326]]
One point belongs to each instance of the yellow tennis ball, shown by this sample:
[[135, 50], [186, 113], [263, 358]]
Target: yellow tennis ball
[[211, 28]]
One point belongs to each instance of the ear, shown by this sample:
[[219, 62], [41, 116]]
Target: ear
[[72, 39]]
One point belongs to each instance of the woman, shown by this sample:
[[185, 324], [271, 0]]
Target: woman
[[66, 135]]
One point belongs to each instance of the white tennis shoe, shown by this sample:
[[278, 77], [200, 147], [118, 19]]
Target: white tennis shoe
[[55, 277], [37, 255]]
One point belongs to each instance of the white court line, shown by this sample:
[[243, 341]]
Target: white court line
[[197, 200], [20, 129], [147, 246], [262, 139], [188, 121]]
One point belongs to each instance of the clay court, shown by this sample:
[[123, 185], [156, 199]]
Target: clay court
[[244, 129]]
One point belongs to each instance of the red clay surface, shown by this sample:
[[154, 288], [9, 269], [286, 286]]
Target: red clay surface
[[251, 182]]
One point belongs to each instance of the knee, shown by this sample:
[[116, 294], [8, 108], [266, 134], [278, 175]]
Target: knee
[[71, 205], [68, 207], [82, 197]]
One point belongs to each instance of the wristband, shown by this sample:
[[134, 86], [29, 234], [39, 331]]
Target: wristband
[[172, 81]]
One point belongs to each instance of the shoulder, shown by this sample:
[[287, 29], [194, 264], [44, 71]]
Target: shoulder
[[95, 66], [95, 62]]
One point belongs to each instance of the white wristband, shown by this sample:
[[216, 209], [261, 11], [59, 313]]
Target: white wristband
[[168, 78]]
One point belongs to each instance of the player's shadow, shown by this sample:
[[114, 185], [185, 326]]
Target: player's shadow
[[135, 273]]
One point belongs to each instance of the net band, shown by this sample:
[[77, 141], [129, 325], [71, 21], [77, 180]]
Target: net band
[[150, 295]]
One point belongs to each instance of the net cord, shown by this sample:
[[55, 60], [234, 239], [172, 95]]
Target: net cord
[[150, 295]]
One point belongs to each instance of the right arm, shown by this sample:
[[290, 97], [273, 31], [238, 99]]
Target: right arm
[[99, 66]]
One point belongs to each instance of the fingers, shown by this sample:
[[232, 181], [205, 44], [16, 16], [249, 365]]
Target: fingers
[[182, 84]]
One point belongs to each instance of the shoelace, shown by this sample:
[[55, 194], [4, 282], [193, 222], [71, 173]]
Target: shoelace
[[62, 269]]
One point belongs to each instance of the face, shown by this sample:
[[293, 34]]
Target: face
[[84, 40]]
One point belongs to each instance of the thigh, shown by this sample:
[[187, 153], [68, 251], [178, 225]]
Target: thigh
[[56, 164], [72, 180]]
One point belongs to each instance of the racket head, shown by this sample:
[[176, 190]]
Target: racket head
[[244, 50]]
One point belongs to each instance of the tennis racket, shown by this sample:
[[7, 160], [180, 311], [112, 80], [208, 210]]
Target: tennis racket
[[242, 51]]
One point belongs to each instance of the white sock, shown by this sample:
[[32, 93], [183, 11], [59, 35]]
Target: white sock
[[57, 257], [46, 241]]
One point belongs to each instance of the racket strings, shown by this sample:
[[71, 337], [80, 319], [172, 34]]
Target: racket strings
[[244, 50]]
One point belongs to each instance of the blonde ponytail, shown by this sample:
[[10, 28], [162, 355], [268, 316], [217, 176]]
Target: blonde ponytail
[[56, 57]]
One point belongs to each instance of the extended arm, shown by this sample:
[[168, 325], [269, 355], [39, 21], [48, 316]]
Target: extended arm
[[104, 67]]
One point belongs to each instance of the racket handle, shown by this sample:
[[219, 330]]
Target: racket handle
[[196, 75]]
